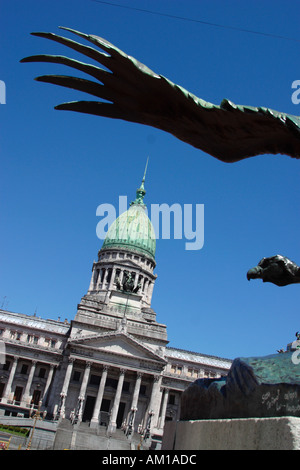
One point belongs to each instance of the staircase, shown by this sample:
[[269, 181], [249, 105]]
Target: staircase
[[82, 437]]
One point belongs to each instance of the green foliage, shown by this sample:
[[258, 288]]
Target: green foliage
[[14, 430]]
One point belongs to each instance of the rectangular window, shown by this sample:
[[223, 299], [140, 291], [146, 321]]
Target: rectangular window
[[24, 369], [36, 397], [76, 375], [126, 386], [111, 382], [18, 394], [42, 372], [172, 399], [95, 379], [192, 373], [6, 365]]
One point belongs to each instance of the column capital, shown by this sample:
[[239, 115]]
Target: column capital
[[156, 377]]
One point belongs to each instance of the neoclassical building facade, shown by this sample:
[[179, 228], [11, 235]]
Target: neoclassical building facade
[[111, 365]]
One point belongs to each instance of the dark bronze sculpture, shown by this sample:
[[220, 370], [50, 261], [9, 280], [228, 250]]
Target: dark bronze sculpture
[[127, 285], [276, 269], [255, 387], [134, 93]]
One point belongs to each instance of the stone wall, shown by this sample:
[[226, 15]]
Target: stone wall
[[233, 434]]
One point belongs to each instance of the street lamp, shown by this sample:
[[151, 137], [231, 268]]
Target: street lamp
[[36, 416]]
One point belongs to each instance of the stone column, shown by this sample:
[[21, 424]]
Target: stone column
[[113, 419], [155, 386], [136, 390], [150, 291], [146, 284], [99, 279], [112, 278], [164, 409], [133, 410], [157, 403], [65, 387], [121, 276], [26, 396], [136, 280], [95, 418], [93, 278], [154, 405], [82, 392], [48, 383], [8, 391]]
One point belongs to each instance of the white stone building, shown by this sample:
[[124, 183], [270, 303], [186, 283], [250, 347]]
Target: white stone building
[[110, 366]]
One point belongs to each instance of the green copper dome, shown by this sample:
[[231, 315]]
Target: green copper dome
[[133, 230]]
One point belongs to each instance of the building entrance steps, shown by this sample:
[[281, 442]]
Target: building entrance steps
[[83, 437]]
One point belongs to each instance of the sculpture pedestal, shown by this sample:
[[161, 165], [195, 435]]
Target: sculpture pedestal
[[281, 433], [255, 387], [255, 407]]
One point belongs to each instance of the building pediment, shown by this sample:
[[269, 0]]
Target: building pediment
[[117, 343]]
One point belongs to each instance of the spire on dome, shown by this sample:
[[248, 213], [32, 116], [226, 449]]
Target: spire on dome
[[140, 192], [133, 229]]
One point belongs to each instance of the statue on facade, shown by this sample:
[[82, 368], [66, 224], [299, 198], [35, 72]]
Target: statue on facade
[[133, 92], [276, 269], [127, 284]]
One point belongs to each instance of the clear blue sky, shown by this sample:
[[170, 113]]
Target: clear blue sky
[[57, 167]]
